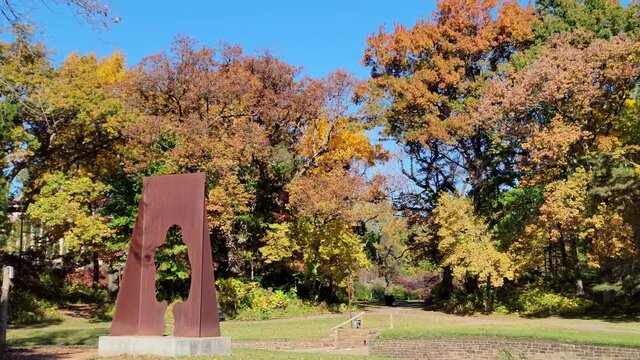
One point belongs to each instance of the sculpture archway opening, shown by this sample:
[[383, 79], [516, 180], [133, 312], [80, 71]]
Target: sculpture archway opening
[[173, 270]]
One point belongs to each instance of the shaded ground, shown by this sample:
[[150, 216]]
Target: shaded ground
[[52, 353]]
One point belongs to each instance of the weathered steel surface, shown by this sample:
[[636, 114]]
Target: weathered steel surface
[[167, 201]]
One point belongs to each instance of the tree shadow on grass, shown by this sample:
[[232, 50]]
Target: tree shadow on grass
[[41, 324], [612, 318], [40, 353], [63, 337]]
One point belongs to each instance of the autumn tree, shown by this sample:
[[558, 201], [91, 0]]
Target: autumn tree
[[424, 78], [69, 119], [266, 138], [61, 141], [565, 110], [528, 111], [386, 233], [68, 208], [465, 246], [8, 113]]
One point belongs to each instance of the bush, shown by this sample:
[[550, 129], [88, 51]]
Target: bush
[[362, 291], [378, 292], [105, 312], [422, 283], [248, 301], [541, 302], [234, 294], [400, 293], [461, 303], [24, 309], [81, 293], [85, 276], [53, 286]]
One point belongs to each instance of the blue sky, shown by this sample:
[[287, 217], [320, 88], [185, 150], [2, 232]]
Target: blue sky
[[321, 36]]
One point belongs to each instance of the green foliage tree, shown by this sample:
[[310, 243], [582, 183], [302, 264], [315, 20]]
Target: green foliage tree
[[327, 255], [69, 209]]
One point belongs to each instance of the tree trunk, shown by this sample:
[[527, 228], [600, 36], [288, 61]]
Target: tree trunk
[[446, 285], [565, 260], [96, 269], [575, 265], [636, 230], [489, 295], [551, 267]]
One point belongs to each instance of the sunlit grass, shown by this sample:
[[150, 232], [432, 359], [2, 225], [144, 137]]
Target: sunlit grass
[[88, 333], [562, 330], [407, 325], [299, 329]]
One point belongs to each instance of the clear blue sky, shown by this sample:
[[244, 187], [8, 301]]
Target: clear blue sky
[[319, 35]]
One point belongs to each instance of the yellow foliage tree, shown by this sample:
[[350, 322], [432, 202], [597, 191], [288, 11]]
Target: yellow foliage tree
[[466, 244]]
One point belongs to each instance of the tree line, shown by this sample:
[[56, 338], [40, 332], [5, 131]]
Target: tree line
[[519, 134]]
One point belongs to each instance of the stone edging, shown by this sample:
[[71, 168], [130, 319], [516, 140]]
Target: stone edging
[[490, 348]]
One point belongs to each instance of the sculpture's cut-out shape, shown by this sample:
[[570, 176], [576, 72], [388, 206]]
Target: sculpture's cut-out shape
[[167, 201], [172, 281]]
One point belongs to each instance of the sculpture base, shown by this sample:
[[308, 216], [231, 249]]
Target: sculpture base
[[163, 345]]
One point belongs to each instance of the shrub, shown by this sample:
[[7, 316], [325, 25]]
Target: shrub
[[248, 301], [378, 292], [541, 302], [422, 283], [105, 312], [24, 309], [81, 293], [461, 303], [234, 294], [85, 276], [52, 285], [401, 293], [362, 291]]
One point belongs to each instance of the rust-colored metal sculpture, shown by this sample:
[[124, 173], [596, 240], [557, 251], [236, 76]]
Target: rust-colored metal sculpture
[[167, 201]]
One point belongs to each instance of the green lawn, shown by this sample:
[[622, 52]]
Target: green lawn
[[560, 335], [601, 332], [64, 334], [409, 324], [87, 334], [299, 329]]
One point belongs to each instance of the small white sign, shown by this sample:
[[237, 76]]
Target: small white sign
[[10, 272]]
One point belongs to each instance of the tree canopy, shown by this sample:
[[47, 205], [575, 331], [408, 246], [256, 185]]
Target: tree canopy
[[518, 127]]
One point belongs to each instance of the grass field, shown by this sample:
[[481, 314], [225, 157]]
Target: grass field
[[394, 323], [75, 333], [421, 324]]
